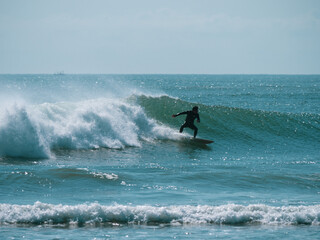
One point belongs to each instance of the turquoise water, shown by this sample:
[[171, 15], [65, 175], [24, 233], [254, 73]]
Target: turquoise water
[[100, 157]]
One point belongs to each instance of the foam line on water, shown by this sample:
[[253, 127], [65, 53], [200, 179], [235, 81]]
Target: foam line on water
[[231, 214]]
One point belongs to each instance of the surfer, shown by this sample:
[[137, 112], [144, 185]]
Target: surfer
[[191, 116]]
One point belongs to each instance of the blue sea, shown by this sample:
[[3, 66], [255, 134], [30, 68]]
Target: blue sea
[[100, 157]]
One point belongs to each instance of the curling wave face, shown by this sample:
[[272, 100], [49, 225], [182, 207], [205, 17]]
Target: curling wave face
[[244, 126]]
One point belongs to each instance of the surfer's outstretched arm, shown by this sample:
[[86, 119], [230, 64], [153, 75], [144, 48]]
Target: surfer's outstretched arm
[[176, 115]]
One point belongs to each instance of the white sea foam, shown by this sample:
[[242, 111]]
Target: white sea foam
[[42, 213], [33, 131]]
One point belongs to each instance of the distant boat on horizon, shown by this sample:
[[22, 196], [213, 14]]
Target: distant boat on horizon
[[59, 73]]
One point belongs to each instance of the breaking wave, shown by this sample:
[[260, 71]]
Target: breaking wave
[[94, 213], [33, 131]]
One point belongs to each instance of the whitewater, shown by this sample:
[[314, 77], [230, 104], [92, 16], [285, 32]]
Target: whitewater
[[87, 124], [100, 157]]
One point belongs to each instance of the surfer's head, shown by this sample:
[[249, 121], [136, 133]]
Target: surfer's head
[[195, 109]]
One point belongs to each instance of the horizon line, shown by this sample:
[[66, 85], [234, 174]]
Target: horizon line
[[62, 74]]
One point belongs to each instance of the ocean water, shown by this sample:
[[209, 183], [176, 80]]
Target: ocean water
[[100, 157]]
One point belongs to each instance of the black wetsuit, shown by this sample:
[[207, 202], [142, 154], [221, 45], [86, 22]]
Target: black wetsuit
[[191, 116]]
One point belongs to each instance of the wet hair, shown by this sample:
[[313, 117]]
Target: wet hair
[[195, 108]]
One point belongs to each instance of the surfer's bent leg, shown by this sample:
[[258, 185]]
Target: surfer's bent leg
[[182, 127], [189, 125], [193, 127], [195, 132]]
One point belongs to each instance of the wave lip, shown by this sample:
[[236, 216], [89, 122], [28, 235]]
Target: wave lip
[[94, 213], [20, 136]]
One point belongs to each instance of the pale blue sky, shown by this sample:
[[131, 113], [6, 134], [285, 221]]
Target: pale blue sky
[[163, 36]]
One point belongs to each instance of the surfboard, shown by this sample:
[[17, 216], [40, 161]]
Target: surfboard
[[201, 141]]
